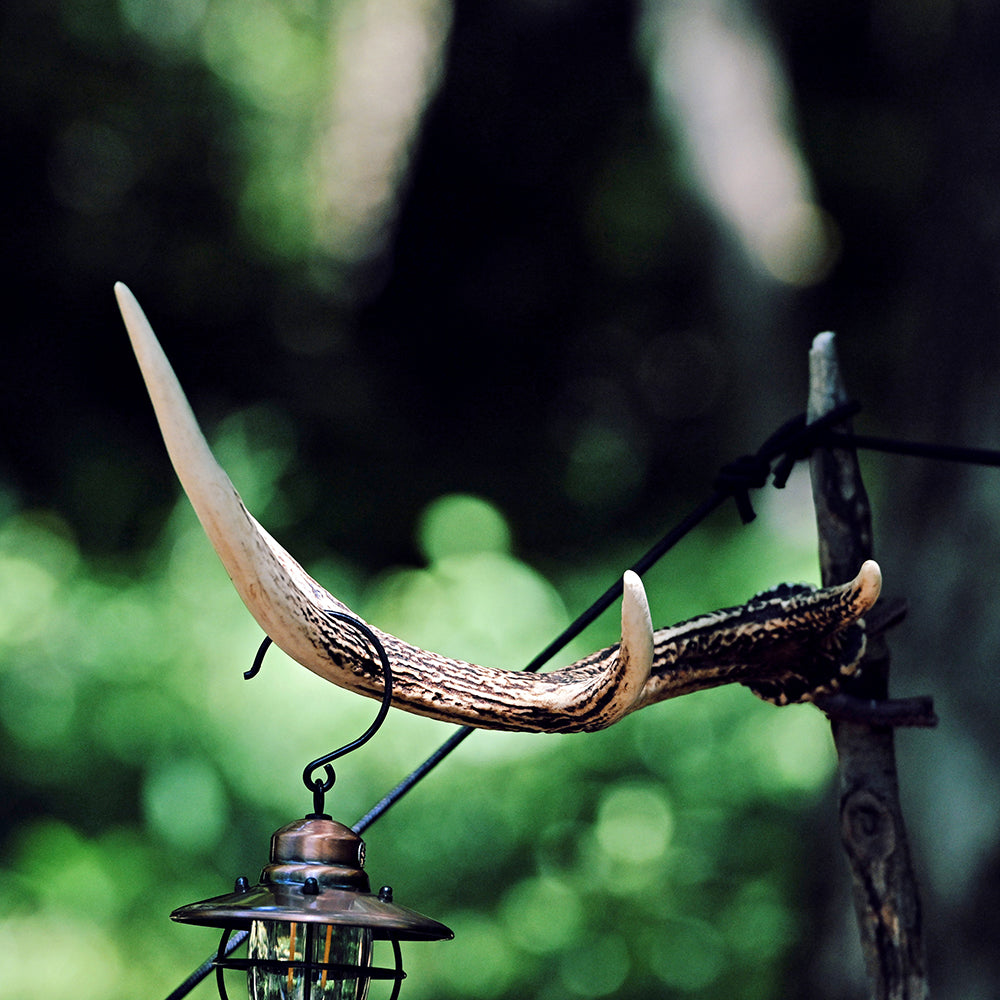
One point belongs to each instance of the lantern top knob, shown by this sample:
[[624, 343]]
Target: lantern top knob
[[317, 840], [320, 848]]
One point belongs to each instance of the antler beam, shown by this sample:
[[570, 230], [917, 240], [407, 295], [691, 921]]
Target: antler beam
[[787, 645]]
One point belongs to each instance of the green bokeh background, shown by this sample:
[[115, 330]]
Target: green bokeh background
[[467, 393], [659, 856]]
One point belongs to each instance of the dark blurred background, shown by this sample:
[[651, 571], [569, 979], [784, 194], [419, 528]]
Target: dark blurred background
[[527, 272]]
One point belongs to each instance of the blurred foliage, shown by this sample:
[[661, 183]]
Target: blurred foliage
[[473, 303]]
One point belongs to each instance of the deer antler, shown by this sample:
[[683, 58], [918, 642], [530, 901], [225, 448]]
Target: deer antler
[[787, 645]]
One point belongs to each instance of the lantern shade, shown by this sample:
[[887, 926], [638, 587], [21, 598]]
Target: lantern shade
[[315, 876], [330, 906]]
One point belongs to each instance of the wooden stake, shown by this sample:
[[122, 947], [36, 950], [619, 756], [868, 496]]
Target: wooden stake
[[886, 896]]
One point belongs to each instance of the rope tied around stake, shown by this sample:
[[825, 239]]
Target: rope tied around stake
[[792, 442]]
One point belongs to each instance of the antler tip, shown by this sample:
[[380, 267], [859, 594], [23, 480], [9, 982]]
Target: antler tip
[[634, 596], [869, 581], [637, 622], [136, 324], [123, 294]]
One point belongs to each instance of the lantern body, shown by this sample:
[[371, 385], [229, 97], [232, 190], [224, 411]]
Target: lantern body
[[272, 944]]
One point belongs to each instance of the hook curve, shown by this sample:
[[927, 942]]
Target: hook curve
[[320, 786]]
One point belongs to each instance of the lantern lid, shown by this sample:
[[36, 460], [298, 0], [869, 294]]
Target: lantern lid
[[316, 875]]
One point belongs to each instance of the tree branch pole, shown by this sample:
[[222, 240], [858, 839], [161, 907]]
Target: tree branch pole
[[886, 896]]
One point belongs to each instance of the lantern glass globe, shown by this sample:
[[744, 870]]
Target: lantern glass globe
[[317, 947]]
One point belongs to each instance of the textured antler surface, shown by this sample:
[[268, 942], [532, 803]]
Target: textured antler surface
[[786, 645]]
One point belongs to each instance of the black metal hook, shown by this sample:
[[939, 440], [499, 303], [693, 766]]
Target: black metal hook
[[320, 786]]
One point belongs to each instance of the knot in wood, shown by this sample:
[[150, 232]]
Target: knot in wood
[[867, 826]]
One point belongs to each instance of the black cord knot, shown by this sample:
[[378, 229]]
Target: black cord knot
[[739, 477], [790, 443], [793, 442], [796, 440]]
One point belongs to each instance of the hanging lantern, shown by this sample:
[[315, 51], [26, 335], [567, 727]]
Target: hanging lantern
[[311, 921]]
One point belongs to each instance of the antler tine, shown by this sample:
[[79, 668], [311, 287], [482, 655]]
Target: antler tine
[[290, 606]]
